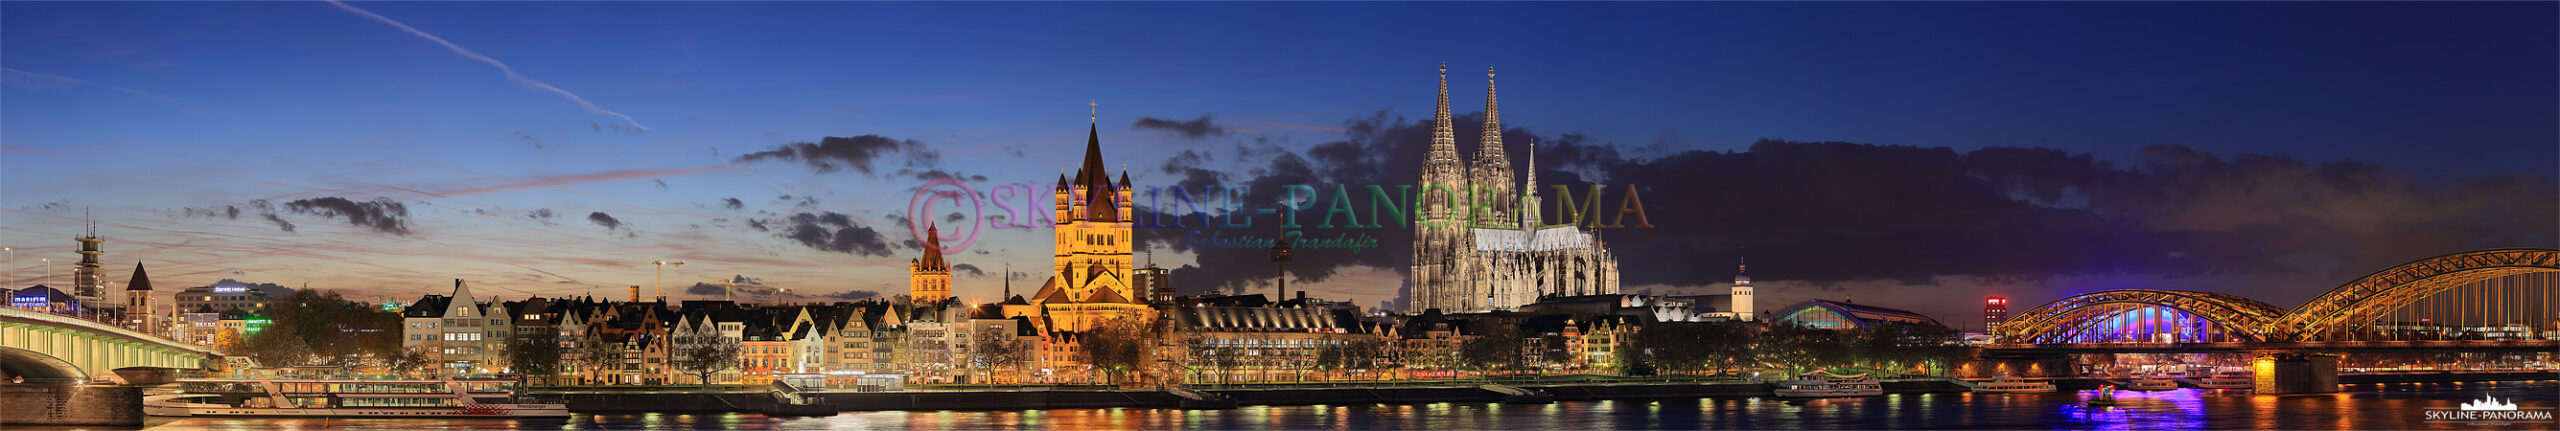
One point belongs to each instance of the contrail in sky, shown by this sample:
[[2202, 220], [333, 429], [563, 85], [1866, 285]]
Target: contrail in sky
[[76, 81], [519, 78]]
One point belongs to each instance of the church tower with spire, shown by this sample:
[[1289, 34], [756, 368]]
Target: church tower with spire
[[1441, 217], [928, 277], [141, 313], [1090, 274], [1492, 168]]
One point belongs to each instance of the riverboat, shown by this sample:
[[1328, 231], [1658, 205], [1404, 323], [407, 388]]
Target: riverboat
[[365, 398], [2002, 385], [1820, 384]]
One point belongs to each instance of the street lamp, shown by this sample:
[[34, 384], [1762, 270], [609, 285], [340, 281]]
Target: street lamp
[[662, 277], [13, 264]]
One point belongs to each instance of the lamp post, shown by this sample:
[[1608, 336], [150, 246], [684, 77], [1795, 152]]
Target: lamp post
[[13, 264], [662, 277]]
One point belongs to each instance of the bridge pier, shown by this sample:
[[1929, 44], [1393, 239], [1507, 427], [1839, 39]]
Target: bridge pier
[[2295, 373]]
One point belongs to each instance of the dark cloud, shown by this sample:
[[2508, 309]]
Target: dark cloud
[[662, 184], [1380, 148], [529, 139], [540, 214], [854, 295], [733, 203], [606, 220], [935, 174], [381, 215], [970, 269], [827, 231], [1195, 128], [705, 289], [858, 153], [799, 201], [713, 289], [280, 223], [231, 212], [1831, 212]]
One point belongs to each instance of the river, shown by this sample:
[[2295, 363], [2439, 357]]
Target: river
[[2361, 406]]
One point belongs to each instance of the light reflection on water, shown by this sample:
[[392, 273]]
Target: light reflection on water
[[2372, 406]]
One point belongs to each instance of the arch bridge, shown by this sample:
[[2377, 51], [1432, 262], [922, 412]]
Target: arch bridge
[[45, 346], [2145, 315]]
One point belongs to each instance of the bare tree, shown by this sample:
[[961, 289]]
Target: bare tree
[[996, 350], [598, 355], [534, 355], [1119, 346], [704, 354], [410, 361]]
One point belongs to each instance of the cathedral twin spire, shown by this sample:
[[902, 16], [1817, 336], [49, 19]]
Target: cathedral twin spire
[[1486, 177]]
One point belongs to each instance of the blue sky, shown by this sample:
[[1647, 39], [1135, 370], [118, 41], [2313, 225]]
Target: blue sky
[[139, 111]]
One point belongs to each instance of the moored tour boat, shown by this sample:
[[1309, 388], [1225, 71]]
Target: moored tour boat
[[2152, 383], [347, 398], [1820, 384], [2227, 379], [2002, 385]]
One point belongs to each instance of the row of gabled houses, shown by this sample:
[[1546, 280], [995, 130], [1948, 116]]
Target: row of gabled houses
[[1213, 338]]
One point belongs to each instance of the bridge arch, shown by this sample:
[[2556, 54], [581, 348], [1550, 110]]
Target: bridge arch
[[2382, 292], [34, 366], [2242, 318]]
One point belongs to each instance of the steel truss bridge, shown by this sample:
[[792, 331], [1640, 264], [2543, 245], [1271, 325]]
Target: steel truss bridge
[[2183, 321]]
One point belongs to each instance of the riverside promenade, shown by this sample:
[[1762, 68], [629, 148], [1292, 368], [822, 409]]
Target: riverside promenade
[[743, 399]]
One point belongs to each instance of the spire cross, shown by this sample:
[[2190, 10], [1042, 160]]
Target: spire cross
[[1093, 110]]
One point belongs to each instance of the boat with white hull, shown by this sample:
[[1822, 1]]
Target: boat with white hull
[[1819, 384], [2002, 385], [347, 398], [2151, 383], [2226, 380]]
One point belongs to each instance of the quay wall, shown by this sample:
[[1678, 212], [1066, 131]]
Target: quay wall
[[43, 404], [643, 402], [863, 401]]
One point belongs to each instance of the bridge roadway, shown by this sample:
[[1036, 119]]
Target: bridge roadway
[[40, 345], [2016, 350]]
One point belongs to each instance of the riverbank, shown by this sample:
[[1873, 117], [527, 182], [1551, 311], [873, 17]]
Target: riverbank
[[730, 400], [592, 401]]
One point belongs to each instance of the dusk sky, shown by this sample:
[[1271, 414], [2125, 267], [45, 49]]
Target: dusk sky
[[1910, 155]]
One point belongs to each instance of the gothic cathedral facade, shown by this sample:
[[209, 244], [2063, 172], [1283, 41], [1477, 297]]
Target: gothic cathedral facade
[[1479, 243]]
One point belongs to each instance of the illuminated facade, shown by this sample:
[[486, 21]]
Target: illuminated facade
[[1994, 310], [230, 294], [141, 312], [928, 277], [1089, 282], [1826, 314], [1479, 243]]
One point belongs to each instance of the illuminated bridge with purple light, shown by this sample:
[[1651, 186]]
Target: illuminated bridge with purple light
[[2486, 295]]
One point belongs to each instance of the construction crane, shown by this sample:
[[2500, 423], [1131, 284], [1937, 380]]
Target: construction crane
[[726, 285]]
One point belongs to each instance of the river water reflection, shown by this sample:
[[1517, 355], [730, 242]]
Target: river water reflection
[[2369, 406]]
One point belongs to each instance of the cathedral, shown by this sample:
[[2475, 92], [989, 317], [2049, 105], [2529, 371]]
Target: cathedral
[[1090, 279], [1480, 246]]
